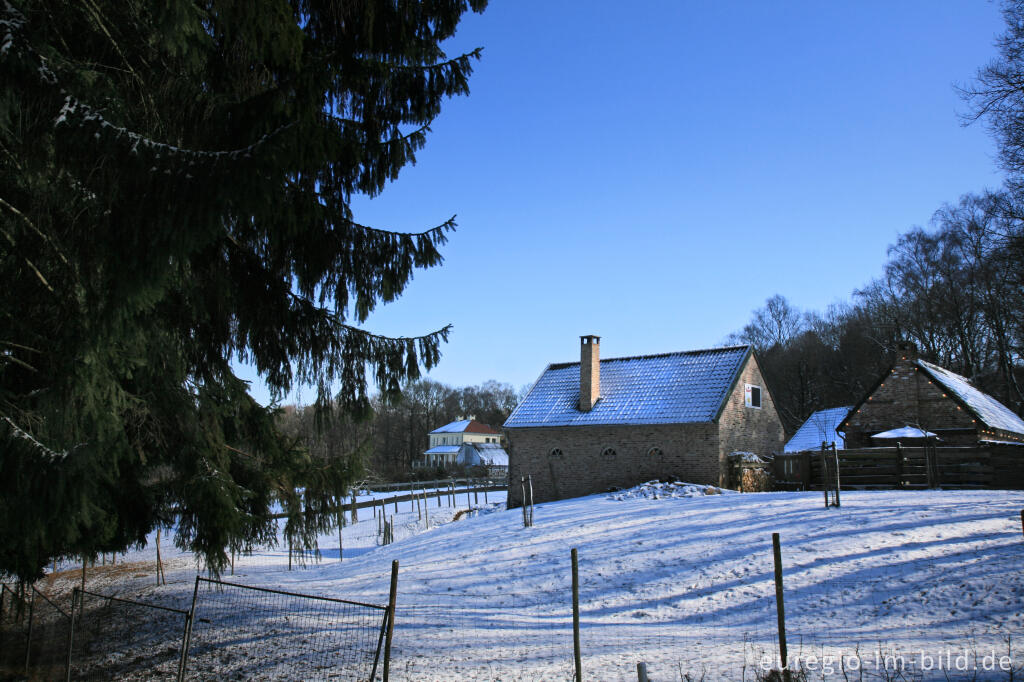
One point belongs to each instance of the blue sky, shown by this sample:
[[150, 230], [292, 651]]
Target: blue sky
[[652, 173]]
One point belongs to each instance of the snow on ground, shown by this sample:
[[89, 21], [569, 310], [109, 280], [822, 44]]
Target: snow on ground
[[678, 578]]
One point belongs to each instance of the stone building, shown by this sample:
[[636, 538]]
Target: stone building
[[594, 425], [924, 396]]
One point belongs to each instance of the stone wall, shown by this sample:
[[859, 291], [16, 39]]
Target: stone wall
[[907, 396], [574, 461], [749, 429]]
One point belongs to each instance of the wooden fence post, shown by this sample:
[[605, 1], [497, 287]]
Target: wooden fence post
[[391, 618], [576, 615], [160, 565], [529, 480], [835, 455], [824, 474], [899, 465], [522, 484], [780, 607], [641, 672]]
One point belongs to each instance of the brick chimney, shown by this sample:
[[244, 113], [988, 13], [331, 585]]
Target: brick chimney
[[590, 371]]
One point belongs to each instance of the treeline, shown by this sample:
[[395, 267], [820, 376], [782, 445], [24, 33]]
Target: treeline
[[387, 442], [956, 291]]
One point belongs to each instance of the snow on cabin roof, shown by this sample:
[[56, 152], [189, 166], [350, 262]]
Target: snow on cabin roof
[[489, 454], [904, 432], [986, 408], [465, 426], [672, 388], [820, 426]]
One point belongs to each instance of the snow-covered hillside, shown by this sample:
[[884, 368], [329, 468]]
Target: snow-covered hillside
[[683, 580]]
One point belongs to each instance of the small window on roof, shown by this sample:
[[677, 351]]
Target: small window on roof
[[752, 396]]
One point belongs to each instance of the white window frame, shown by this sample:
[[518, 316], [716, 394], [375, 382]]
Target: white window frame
[[748, 396]]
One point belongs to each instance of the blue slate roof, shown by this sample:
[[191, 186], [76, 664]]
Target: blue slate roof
[[820, 426], [673, 388]]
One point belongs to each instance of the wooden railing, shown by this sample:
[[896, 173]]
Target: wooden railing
[[990, 465]]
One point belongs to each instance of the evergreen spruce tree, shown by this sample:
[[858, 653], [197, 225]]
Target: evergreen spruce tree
[[175, 187]]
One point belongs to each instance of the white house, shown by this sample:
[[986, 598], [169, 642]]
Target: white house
[[446, 442]]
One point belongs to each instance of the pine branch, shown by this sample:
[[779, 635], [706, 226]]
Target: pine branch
[[75, 111], [29, 263], [385, 66], [91, 121], [435, 234], [28, 221], [48, 454]]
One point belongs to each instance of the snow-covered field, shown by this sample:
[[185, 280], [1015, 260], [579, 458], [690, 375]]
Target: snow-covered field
[[679, 579]]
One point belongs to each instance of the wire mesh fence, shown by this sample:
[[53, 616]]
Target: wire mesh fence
[[124, 639], [14, 614], [484, 635], [46, 637], [240, 632], [848, 616], [874, 607], [896, 621]]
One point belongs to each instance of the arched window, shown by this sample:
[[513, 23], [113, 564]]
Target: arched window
[[556, 453], [608, 452], [655, 453]]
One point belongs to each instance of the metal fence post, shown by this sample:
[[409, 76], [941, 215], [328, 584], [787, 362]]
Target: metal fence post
[[186, 639], [75, 595]]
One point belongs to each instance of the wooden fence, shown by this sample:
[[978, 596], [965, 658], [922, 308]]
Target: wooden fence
[[987, 466], [453, 487]]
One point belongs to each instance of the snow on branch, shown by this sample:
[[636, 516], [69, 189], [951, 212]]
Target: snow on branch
[[47, 453], [76, 112]]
